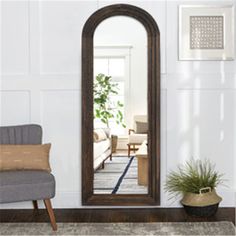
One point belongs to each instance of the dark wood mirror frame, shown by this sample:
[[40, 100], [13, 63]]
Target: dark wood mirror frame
[[153, 50]]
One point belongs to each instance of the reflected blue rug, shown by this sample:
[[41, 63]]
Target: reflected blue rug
[[119, 176]]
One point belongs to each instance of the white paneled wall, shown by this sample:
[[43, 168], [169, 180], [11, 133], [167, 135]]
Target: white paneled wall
[[15, 38], [16, 104], [41, 83]]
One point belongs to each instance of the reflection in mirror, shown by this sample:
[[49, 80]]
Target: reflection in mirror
[[120, 107]]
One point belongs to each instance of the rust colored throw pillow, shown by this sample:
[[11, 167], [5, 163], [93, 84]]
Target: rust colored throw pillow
[[25, 157]]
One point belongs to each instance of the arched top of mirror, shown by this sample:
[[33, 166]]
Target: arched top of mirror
[[121, 10]]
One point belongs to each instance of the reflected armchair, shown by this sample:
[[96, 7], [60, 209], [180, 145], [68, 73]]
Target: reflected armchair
[[138, 134]]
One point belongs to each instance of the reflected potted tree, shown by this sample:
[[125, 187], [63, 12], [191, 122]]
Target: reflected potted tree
[[104, 108]]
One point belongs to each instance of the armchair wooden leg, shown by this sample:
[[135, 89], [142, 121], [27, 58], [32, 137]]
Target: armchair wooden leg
[[35, 204], [48, 205], [128, 150]]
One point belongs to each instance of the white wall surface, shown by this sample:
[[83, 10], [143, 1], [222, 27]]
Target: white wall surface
[[41, 83]]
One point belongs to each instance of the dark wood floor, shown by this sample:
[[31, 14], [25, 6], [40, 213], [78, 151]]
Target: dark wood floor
[[113, 215]]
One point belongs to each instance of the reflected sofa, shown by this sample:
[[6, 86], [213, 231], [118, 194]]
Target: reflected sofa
[[101, 148]]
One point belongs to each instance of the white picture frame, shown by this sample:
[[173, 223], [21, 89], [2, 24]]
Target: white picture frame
[[206, 32]]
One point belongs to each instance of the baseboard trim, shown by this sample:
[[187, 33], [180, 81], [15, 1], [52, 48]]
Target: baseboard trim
[[113, 215]]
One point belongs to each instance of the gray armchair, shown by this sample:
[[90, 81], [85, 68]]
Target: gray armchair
[[16, 186]]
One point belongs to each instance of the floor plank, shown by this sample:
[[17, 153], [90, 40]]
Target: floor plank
[[113, 215]]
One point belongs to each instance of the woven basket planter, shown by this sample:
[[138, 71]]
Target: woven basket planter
[[203, 204]]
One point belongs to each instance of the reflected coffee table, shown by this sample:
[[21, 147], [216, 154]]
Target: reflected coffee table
[[142, 157]]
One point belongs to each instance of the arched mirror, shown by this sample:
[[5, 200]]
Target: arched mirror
[[120, 108]]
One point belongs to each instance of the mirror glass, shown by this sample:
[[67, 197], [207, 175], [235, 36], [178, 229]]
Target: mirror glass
[[120, 107]]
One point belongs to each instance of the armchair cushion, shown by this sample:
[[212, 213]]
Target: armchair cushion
[[141, 127], [137, 138], [139, 123], [21, 134], [18, 186]]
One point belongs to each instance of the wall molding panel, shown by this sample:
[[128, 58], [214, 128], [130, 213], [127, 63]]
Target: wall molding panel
[[15, 104], [15, 53]]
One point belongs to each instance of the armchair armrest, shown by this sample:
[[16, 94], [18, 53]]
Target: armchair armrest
[[131, 130]]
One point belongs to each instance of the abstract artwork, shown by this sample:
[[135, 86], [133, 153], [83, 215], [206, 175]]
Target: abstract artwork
[[206, 33]]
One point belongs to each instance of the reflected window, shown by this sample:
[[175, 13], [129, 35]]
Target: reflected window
[[118, 69]]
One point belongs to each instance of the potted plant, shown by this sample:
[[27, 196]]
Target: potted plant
[[104, 108], [196, 180]]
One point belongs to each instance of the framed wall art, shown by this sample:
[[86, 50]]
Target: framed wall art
[[206, 32]]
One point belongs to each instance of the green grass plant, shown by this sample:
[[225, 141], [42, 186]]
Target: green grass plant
[[191, 177]]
